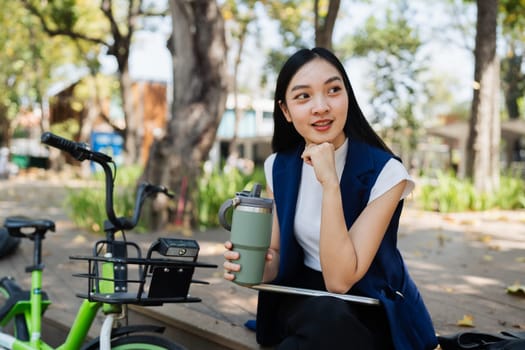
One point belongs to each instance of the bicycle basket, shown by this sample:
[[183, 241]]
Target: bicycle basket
[[118, 274]]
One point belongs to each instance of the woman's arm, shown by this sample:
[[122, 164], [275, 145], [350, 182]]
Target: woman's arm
[[346, 253]]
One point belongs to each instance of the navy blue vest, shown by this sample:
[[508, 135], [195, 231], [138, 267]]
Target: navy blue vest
[[387, 279]]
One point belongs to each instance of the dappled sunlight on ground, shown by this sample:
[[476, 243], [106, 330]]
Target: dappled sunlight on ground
[[211, 249], [464, 263], [461, 262], [480, 282]]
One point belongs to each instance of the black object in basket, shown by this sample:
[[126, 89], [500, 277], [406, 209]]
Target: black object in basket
[[116, 278]]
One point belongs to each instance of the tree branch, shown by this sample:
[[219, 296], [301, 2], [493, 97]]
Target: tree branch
[[56, 32]]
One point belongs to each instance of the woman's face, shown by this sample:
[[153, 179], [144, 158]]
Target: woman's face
[[317, 103]]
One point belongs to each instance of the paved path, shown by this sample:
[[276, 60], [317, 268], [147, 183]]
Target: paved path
[[462, 263]]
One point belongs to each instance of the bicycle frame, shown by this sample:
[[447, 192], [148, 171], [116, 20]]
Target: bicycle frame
[[32, 311], [107, 275]]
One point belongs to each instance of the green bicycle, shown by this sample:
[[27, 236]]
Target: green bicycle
[[117, 275]]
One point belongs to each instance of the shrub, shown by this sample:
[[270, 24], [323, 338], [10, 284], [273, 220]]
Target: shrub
[[215, 187], [86, 206], [511, 194], [446, 193]]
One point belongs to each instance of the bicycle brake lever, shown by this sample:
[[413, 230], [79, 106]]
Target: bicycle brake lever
[[168, 193], [157, 189]]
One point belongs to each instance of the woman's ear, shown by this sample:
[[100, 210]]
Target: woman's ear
[[284, 109]]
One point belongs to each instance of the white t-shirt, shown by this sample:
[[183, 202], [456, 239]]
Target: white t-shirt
[[307, 223]]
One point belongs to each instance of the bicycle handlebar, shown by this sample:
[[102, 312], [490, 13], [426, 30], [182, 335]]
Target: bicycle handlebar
[[80, 151], [144, 191]]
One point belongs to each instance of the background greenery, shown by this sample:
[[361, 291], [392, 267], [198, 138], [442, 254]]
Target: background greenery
[[86, 205], [443, 193], [446, 193]]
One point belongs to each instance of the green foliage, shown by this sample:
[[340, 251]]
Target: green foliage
[[31, 60], [86, 206], [63, 13], [67, 129], [448, 194], [295, 20], [216, 187], [392, 45], [511, 194], [512, 13]]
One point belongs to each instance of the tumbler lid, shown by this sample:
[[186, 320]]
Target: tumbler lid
[[253, 198]]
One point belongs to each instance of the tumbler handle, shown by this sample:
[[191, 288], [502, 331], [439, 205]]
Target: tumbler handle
[[222, 214]]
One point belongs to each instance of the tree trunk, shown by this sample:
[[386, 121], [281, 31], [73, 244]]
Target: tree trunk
[[134, 123], [4, 126], [482, 153], [513, 83], [324, 27], [198, 49], [233, 149]]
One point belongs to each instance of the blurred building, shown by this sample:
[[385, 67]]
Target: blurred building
[[252, 135], [454, 136]]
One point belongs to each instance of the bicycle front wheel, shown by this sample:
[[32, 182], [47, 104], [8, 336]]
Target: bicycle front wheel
[[144, 342]]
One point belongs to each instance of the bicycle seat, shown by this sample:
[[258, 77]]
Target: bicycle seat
[[21, 226]]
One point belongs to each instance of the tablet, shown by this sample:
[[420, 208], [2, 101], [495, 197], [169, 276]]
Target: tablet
[[312, 292]]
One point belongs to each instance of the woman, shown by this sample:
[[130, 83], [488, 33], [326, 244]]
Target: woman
[[338, 193]]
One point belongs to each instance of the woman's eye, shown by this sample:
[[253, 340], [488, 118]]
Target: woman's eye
[[334, 89], [302, 96]]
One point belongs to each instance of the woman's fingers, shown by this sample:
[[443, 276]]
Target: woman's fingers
[[306, 155], [314, 152], [269, 254], [229, 254], [229, 266], [228, 276]]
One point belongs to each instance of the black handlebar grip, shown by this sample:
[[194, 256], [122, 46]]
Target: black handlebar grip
[[60, 142], [78, 150]]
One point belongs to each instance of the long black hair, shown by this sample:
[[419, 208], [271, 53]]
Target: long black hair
[[285, 137]]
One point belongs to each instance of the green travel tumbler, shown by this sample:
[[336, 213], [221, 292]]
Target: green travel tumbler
[[250, 232]]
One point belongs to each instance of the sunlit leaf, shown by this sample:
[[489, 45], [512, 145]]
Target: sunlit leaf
[[485, 238], [469, 222], [466, 321], [488, 257], [516, 289]]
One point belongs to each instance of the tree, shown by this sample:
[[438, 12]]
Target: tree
[[391, 46], [482, 153], [299, 17], [324, 22], [28, 65], [512, 74], [513, 79], [198, 49], [301, 25], [116, 23], [241, 13]]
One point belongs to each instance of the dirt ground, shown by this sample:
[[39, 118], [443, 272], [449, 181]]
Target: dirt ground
[[465, 264]]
